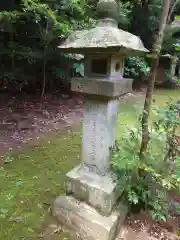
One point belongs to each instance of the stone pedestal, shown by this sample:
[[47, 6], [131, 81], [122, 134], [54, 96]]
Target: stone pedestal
[[93, 193], [85, 220], [101, 192]]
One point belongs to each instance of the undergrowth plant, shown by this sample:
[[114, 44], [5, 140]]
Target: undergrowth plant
[[147, 180]]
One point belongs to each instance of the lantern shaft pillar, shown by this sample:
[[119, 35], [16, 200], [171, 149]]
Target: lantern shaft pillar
[[99, 133]]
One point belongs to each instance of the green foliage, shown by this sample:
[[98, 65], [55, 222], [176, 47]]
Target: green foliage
[[177, 45], [35, 30], [147, 181], [168, 121], [125, 14], [171, 37], [9, 16], [171, 81], [169, 45], [79, 68], [32, 32], [136, 67], [145, 19]]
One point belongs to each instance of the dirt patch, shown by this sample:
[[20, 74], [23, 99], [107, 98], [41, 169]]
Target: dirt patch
[[25, 118], [141, 227]]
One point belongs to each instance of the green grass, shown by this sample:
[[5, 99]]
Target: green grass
[[32, 180], [129, 113]]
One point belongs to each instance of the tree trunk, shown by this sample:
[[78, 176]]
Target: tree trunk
[[173, 65], [44, 77], [44, 59], [172, 10], [154, 64]]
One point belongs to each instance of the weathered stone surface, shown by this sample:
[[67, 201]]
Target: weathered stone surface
[[99, 127], [101, 192], [104, 48], [105, 37], [107, 9], [86, 221], [102, 87], [113, 70], [112, 115]]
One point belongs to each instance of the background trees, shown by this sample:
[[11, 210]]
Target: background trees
[[29, 38], [32, 29]]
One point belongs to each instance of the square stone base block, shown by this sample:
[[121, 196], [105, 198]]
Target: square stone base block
[[86, 221], [101, 192]]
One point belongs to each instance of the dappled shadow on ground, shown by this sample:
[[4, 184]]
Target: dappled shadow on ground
[[24, 117]]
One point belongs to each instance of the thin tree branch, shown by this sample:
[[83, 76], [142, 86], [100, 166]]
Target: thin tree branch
[[172, 10]]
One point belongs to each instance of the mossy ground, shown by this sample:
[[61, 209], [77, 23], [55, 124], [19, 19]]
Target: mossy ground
[[31, 179]]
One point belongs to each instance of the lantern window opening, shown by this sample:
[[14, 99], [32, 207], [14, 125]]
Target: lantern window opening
[[99, 66]]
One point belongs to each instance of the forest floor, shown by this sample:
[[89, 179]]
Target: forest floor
[[39, 144], [25, 119]]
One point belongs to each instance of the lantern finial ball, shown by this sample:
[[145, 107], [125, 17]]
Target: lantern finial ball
[[108, 9]]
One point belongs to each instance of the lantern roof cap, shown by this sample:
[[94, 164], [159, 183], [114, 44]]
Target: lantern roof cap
[[105, 37]]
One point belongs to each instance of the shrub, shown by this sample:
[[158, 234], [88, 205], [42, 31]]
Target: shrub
[[146, 181], [136, 67], [171, 82]]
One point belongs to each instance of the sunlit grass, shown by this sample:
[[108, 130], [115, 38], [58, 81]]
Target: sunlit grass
[[129, 113]]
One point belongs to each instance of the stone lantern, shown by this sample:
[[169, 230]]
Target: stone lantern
[[91, 206]]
